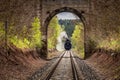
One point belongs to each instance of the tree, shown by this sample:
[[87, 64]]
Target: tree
[[54, 30], [78, 38], [36, 33]]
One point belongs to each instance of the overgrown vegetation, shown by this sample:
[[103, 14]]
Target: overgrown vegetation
[[75, 31], [107, 31], [2, 32], [25, 37], [111, 41], [78, 39], [68, 26], [54, 30]]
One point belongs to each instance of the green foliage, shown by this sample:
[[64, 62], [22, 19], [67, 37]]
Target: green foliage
[[19, 43], [36, 34], [1, 30], [110, 44], [25, 37], [68, 26], [54, 30], [111, 41], [78, 38], [17, 38]]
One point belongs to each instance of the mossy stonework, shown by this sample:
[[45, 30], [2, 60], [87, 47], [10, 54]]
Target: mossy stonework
[[100, 18]]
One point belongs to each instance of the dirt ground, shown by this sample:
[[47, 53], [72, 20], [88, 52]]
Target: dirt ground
[[106, 65], [19, 64], [52, 54]]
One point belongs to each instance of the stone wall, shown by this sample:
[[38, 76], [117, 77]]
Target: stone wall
[[19, 12], [101, 16]]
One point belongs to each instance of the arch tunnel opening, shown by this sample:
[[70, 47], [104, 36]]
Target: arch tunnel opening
[[62, 26]]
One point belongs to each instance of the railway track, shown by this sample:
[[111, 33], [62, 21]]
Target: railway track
[[50, 73], [74, 69], [67, 54], [67, 66]]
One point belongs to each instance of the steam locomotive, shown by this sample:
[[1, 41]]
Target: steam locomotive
[[67, 44]]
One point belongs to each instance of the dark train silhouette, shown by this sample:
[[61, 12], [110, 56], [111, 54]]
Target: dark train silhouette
[[67, 44]]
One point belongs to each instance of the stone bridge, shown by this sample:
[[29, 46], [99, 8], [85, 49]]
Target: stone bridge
[[49, 8], [95, 15]]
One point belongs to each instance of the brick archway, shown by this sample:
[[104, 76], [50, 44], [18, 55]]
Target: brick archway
[[64, 9], [52, 14]]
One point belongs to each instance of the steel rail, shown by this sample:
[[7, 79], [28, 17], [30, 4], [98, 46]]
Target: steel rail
[[50, 73], [74, 70]]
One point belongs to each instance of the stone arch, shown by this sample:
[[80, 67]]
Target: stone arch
[[52, 14], [64, 9]]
